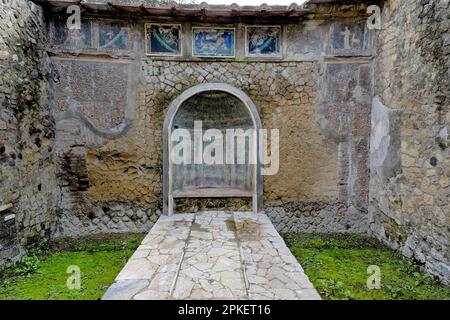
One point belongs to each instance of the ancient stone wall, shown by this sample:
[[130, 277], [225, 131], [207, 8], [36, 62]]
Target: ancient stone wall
[[111, 106], [27, 181], [81, 132], [409, 157], [101, 189]]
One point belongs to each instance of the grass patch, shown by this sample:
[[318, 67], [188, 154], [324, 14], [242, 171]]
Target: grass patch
[[43, 274], [337, 266]]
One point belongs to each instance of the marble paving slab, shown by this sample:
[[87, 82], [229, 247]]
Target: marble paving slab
[[212, 255]]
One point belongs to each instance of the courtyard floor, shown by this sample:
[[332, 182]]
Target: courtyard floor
[[212, 255], [336, 264]]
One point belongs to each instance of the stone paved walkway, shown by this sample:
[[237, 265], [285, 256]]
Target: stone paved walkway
[[212, 255]]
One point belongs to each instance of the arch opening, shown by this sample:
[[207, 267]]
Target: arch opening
[[212, 147]]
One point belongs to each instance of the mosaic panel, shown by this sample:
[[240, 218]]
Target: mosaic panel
[[213, 42], [263, 41], [113, 36], [74, 38], [348, 40], [163, 39]]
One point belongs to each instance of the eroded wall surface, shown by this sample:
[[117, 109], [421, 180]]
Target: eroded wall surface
[[111, 106], [409, 157], [27, 181], [81, 132]]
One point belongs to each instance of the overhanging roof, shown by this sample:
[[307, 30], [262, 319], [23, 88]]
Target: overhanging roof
[[202, 10], [183, 9]]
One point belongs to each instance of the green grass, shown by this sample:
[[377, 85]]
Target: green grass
[[43, 275], [337, 266]]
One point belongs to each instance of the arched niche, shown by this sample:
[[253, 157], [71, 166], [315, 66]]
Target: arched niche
[[218, 106]]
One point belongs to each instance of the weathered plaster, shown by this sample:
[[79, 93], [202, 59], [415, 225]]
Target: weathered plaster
[[323, 141], [409, 187], [337, 89]]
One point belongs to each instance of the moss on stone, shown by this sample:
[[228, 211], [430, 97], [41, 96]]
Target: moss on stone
[[337, 266]]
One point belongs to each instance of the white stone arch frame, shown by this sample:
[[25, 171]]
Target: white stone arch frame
[[257, 188]]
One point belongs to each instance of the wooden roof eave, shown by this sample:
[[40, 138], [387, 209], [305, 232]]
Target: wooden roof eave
[[209, 14]]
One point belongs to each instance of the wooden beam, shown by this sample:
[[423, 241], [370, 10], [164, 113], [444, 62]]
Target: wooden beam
[[212, 193]]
